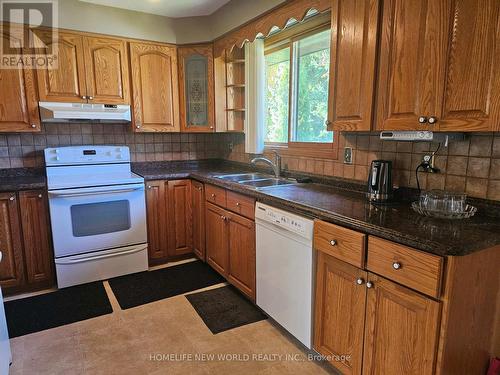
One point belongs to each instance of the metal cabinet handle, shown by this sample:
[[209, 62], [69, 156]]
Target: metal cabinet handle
[[212, 195], [40, 195], [12, 198], [333, 242], [360, 281], [432, 120], [199, 188], [33, 125], [238, 204], [328, 122], [369, 285], [396, 265], [422, 119], [149, 186], [91, 98], [84, 97], [138, 126]]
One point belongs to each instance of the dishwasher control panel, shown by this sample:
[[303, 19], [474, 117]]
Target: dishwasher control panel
[[286, 220]]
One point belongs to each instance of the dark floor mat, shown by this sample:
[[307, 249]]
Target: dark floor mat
[[54, 309], [149, 286], [224, 308]]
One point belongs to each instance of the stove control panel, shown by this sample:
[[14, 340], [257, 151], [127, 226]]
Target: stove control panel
[[82, 155]]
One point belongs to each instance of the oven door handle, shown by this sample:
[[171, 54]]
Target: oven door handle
[[97, 257], [94, 191]]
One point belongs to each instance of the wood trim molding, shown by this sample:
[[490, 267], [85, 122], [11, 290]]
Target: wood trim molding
[[262, 25]]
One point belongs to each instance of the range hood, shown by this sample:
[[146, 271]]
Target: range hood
[[65, 112]]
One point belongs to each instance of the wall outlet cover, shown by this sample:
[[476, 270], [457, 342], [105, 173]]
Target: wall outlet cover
[[347, 155]]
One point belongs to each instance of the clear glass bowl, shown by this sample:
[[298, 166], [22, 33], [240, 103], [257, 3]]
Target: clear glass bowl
[[443, 201], [468, 212]]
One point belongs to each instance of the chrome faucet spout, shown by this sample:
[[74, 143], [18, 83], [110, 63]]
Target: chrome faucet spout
[[276, 165]]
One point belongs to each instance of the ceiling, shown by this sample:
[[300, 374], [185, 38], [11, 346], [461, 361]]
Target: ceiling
[[167, 8]]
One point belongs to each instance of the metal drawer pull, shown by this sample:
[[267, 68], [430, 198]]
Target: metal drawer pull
[[360, 281], [333, 242], [369, 285], [396, 265], [238, 204], [12, 198], [213, 195]]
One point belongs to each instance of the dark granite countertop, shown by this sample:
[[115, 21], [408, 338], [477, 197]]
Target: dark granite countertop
[[16, 179], [344, 203], [338, 201]]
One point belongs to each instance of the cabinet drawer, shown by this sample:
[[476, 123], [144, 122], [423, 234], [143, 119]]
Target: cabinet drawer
[[216, 195], [341, 243], [412, 268], [241, 204]]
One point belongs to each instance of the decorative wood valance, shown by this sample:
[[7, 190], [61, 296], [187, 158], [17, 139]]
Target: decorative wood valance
[[279, 16]]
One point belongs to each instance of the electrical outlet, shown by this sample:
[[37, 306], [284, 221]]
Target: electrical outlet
[[231, 146], [348, 155], [428, 159]]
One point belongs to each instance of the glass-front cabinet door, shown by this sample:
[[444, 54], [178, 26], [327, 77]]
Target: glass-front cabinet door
[[196, 74]]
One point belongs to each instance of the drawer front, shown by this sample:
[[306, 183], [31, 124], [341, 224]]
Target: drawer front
[[341, 243], [412, 268], [215, 195], [240, 204]]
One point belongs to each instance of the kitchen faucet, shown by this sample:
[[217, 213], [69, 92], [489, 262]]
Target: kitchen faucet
[[276, 165]]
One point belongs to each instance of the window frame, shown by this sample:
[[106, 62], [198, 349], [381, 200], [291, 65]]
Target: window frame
[[286, 39]]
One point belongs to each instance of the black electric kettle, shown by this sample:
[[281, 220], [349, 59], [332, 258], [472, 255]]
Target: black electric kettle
[[380, 181]]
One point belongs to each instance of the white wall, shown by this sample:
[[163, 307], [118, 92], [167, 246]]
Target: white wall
[[82, 16]]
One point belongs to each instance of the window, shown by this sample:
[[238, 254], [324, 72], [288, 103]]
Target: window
[[297, 78]]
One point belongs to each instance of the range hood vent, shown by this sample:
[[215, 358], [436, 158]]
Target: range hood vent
[[70, 112]]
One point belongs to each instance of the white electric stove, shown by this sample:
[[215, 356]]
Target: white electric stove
[[98, 213]]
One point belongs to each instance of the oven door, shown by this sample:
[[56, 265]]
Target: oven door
[[97, 218]]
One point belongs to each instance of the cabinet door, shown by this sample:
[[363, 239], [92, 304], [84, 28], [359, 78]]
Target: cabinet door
[[106, 67], [37, 242], [66, 83], [196, 88], [241, 237], [179, 217], [339, 313], [11, 266], [156, 212], [401, 330], [352, 64], [216, 238], [472, 82], [18, 97], [198, 210], [155, 90], [413, 43]]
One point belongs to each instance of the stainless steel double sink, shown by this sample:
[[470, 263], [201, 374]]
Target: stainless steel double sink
[[257, 180]]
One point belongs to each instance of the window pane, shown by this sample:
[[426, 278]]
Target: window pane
[[277, 89], [311, 88]]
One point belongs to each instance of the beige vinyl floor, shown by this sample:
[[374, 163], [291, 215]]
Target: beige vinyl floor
[[163, 337]]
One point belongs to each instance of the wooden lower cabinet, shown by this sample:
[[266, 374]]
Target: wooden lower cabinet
[[11, 266], [397, 327], [401, 330], [156, 213], [180, 231], [230, 247], [198, 216], [38, 254], [340, 313], [241, 239], [217, 246]]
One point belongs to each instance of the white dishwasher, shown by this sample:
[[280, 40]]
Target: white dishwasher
[[285, 269]]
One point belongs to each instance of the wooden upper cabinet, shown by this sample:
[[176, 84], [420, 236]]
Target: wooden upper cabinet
[[401, 330], [106, 65], [155, 90], [66, 83], [156, 213], [11, 266], [36, 236], [89, 69], [339, 312], [471, 98], [241, 242], [18, 97], [198, 212], [196, 88], [180, 230], [412, 47], [352, 64]]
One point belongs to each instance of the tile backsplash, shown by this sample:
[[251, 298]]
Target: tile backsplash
[[472, 165], [26, 149]]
